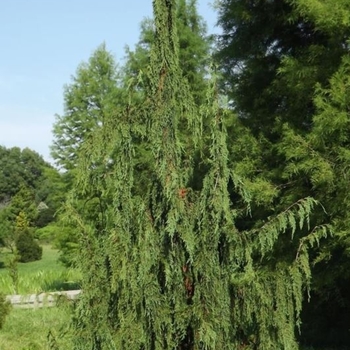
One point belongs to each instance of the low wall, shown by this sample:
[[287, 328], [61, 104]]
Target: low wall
[[40, 300]]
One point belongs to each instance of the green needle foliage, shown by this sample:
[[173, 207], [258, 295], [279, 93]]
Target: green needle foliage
[[286, 68], [88, 99], [194, 47], [169, 269]]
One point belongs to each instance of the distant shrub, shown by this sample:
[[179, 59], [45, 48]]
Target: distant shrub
[[47, 233], [28, 248], [5, 308], [45, 217], [67, 243]]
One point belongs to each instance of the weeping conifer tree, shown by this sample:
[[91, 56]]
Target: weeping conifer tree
[[169, 269]]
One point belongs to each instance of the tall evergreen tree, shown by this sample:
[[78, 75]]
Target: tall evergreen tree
[[274, 52], [170, 270], [88, 100], [322, 160], [285, 67]]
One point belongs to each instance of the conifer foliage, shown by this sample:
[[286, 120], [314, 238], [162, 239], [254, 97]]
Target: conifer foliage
[[27, 248], [286, 68], [169, 269], [88, 98]]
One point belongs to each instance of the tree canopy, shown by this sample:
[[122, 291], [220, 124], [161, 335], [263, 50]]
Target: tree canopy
[[285, 69], [31, 190], [88, 100]]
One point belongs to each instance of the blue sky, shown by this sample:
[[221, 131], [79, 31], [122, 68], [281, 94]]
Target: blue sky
[[43, 42]]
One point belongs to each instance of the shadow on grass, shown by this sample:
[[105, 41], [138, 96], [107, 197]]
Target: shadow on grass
[[59, 285]]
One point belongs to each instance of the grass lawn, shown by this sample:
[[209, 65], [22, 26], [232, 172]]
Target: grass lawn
[[48, 261], [28, 329], [46, 275]]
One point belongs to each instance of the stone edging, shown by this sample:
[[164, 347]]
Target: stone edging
[[40, 300]]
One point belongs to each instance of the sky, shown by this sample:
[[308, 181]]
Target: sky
[[43, 43]]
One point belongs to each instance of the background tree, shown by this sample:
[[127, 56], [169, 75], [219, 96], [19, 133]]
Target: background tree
[[50, 195], [88, 100], [29, 185], [26, 247], [24, 202], [322, 159], [19, 168], [277, 56], [22, 205], [6, 230], [273, 53]]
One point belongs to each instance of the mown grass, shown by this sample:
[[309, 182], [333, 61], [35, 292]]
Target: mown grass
[[44, 275], [28, 329], [48, 261]]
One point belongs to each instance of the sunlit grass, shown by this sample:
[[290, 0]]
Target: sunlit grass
[[48, 261], [44, 275]]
